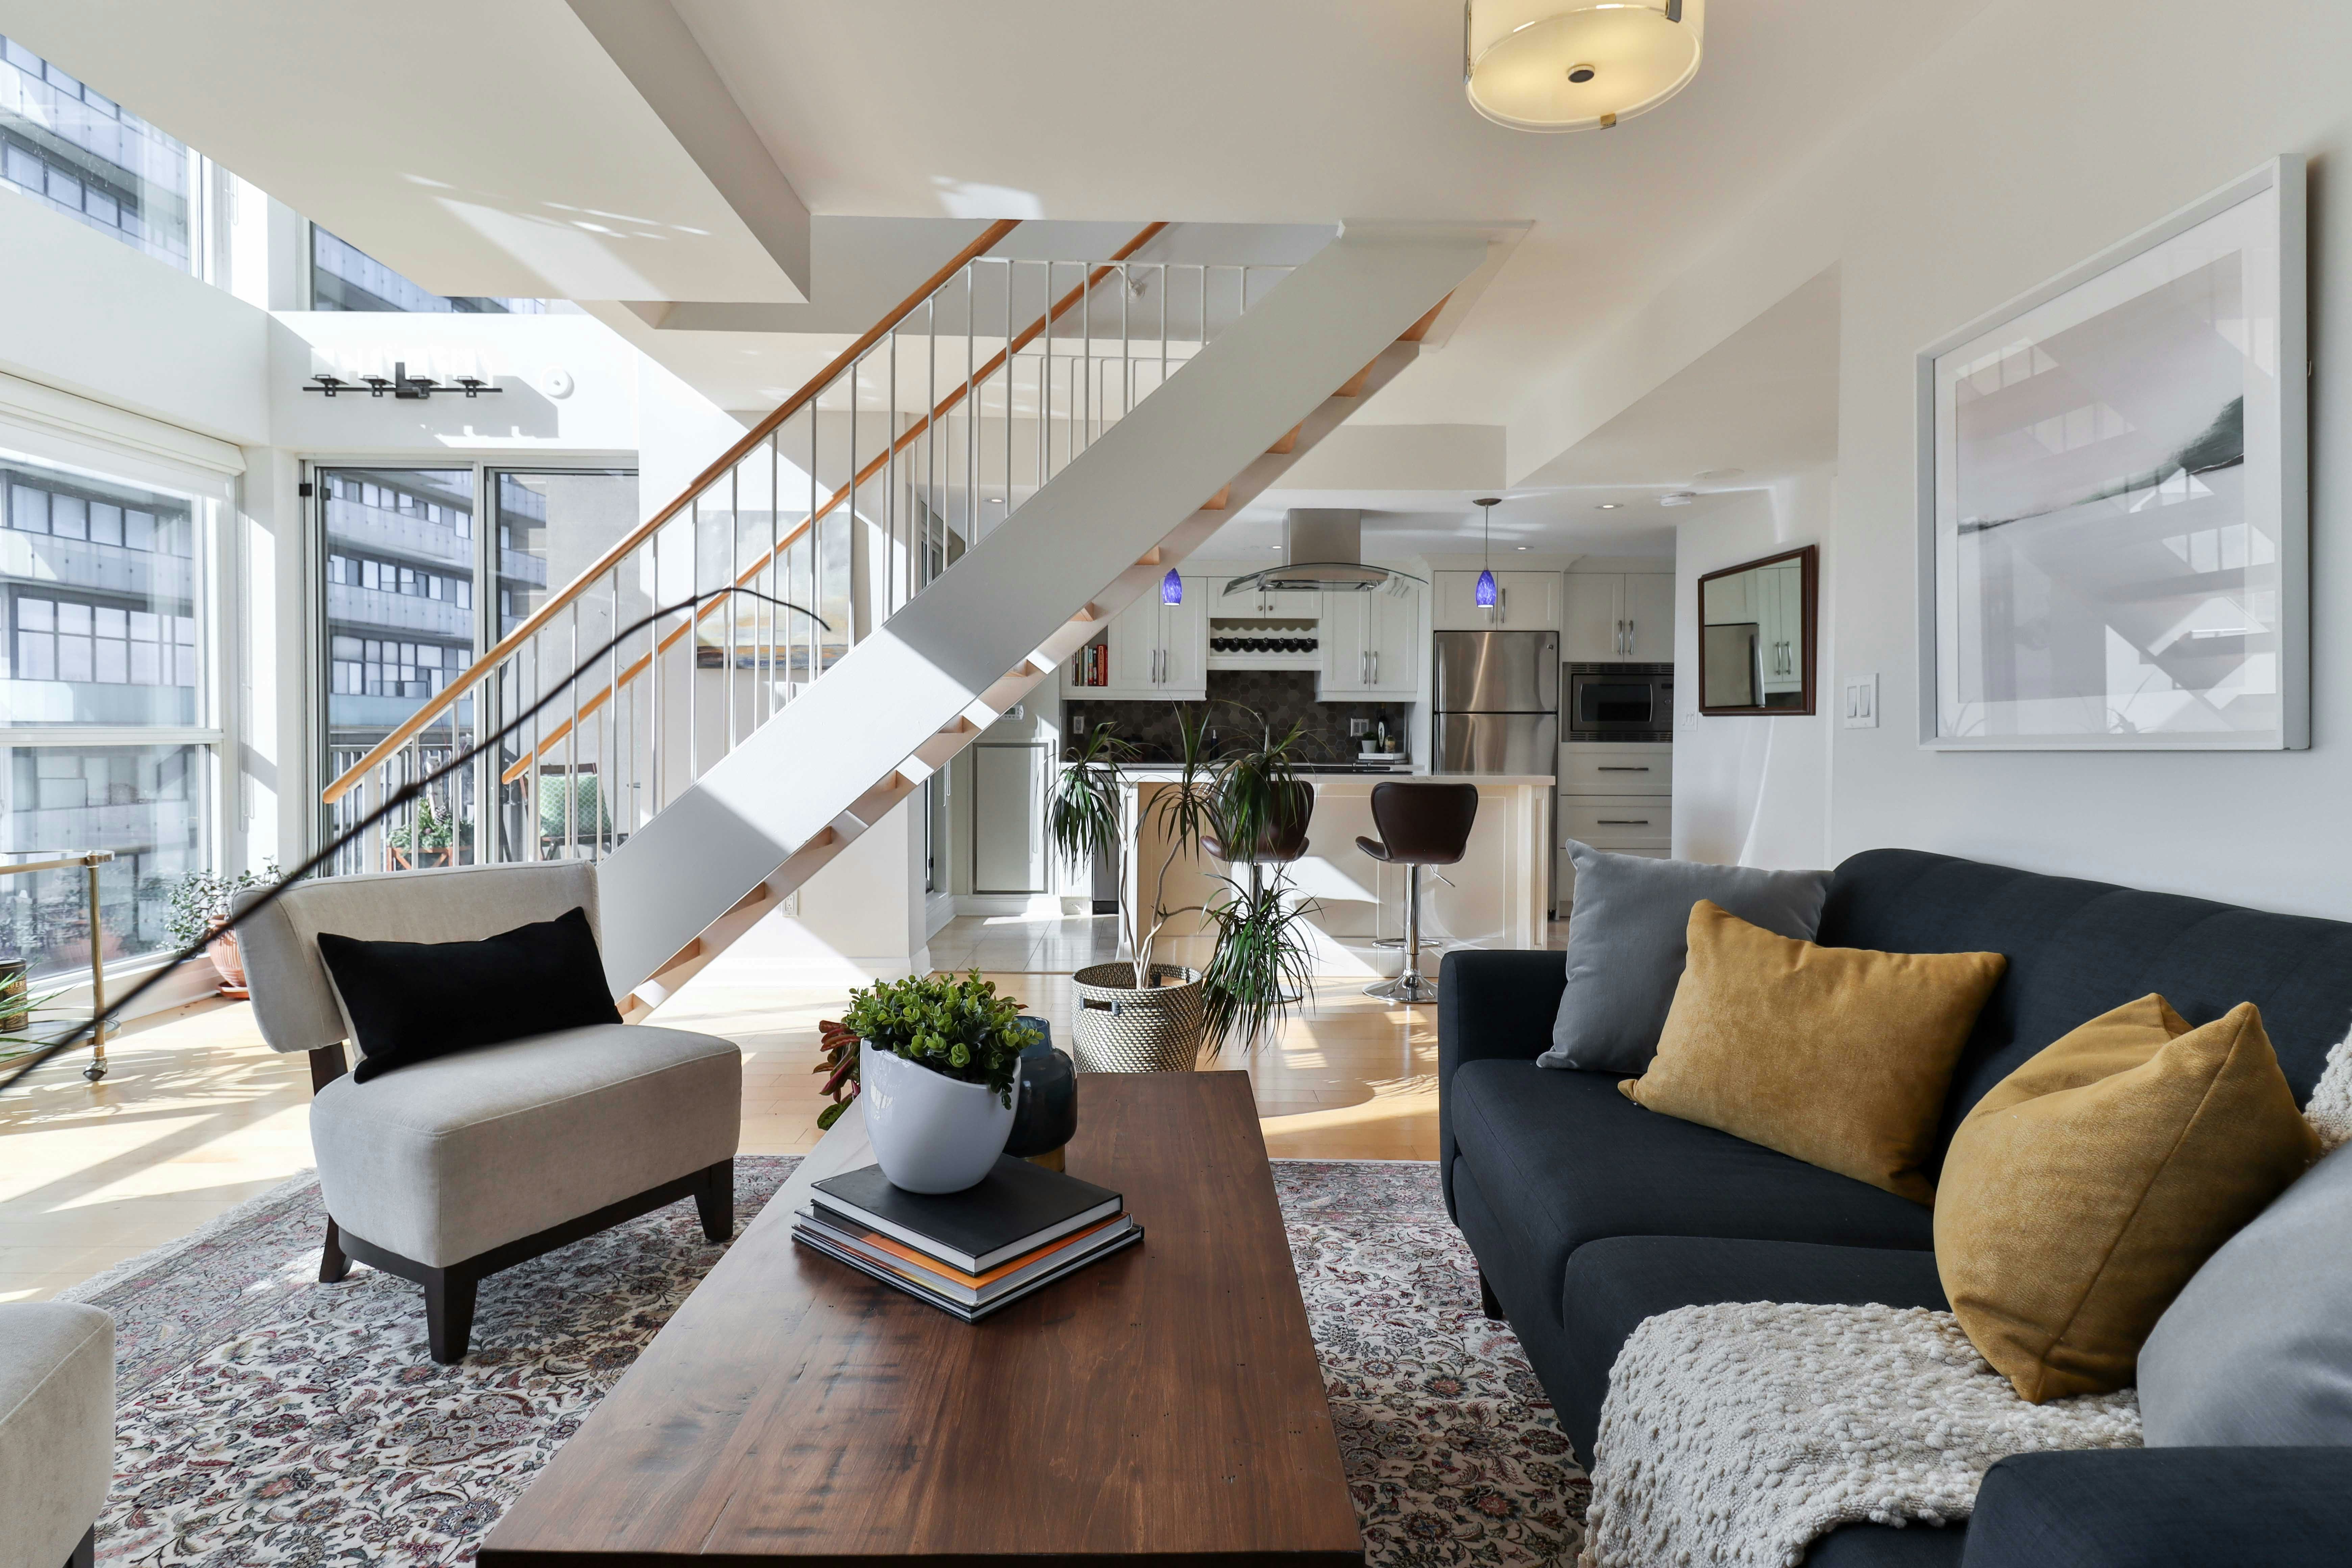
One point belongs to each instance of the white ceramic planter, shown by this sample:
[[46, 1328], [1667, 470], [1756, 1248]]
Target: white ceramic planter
[[931, 1133]]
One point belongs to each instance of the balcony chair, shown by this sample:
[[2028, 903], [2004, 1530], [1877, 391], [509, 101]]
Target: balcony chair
[[449, 1170]]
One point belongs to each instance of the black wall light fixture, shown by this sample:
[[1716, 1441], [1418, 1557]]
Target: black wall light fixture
[[400, 383]]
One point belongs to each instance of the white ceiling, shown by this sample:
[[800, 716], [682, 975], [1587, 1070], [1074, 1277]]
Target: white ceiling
[[479, 149], [1308, 111], [498, 149]]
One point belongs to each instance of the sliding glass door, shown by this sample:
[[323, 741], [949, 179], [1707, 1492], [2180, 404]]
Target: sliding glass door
[[423, 569]]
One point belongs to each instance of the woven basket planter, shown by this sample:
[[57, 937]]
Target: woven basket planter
[[1122, 1030]]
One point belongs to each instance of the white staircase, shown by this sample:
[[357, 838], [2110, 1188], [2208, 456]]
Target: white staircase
[[967, 495]]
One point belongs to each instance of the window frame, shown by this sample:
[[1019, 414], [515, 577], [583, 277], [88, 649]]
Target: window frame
[[318, 675]]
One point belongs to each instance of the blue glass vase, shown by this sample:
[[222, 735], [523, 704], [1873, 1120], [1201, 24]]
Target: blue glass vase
[[1045, 1111]]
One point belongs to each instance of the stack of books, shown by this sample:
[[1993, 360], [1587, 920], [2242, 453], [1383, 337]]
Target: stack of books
[[967, 1253]]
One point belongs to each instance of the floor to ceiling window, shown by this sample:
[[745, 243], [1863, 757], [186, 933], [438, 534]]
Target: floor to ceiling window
[[423, 568], [103, 721], [399, 557]]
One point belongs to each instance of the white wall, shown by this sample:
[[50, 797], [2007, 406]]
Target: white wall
[[2037, 136], [1748, 792]]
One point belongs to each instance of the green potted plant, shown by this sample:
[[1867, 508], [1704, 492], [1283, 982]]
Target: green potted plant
[[1263, 959], [1137, 1015], [429, 838], [939, 1059], [200, 906]]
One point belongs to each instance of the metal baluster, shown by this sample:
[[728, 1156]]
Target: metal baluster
[[971, 436], [693, 646], [816, 553], [890, 481], [572, 742], [734, 570]]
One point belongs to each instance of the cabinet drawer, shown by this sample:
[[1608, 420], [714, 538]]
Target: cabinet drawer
[[1617, 822], [1612, 770]]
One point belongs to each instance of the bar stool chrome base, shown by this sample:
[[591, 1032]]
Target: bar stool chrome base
[[1411, 985]]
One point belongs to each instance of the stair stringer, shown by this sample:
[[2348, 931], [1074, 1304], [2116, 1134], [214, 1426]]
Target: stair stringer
[[986, 633]]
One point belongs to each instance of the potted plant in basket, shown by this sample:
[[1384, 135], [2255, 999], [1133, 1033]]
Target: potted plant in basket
[[200, 907], [1137, 1015], [938, 1059], [1263, 959]]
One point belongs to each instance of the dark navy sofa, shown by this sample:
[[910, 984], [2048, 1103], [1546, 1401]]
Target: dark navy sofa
[[1589, 1214]]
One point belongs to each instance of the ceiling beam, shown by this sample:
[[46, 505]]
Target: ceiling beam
[[655, 50]]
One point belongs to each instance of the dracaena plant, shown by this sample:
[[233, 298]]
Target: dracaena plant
[[1083, 821]]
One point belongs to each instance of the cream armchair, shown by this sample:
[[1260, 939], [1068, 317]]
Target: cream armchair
[[450, 1170], [57, 1431]]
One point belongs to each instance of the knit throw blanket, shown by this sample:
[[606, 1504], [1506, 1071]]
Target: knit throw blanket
[[1736, 1435]]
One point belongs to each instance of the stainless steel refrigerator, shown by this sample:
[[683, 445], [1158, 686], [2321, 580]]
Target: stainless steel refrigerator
[[1496, 704]]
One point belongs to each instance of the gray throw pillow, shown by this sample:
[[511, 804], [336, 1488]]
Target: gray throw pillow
[[2256, 1351], [1626, 945]]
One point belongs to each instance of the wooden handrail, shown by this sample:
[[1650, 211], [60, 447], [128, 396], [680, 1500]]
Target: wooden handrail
[[1143, 236], [455, 692]]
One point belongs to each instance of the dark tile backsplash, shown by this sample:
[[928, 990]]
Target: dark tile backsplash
[[1278, 695]]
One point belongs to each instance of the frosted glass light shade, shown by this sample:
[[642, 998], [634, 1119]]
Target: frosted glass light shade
[[1486, 590], [1558, 64], [1172, 588]]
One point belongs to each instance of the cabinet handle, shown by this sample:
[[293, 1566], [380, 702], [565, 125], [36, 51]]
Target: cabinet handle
[[1621, 822], [1364, 668], [1376, 667], [1629, 637], [1609, 770]]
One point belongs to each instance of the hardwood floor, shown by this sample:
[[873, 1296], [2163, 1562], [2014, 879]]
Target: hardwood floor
[[197, 1115]]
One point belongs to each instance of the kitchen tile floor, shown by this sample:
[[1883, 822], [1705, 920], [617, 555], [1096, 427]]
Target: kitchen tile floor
[[197, 1115]]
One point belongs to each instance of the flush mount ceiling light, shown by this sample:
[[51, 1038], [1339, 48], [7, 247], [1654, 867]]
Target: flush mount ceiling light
[[1558, 64], [1609, 506]]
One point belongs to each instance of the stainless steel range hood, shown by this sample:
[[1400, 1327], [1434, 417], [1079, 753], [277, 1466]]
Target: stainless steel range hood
[[1323, 550]]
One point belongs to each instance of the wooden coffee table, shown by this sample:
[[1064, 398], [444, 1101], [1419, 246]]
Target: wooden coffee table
[[1164, 1402]]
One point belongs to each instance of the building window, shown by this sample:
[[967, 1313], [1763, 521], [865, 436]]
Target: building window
[[77, 152], [102, 627], [345, 278]]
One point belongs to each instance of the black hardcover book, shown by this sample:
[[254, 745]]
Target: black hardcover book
[[1017, 1206]]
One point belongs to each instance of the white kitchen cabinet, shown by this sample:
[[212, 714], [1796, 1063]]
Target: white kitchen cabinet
[[1618, 822], [1155, 650], [1650, 617], [1594, 620], [1615, 616], [1617, 767], [1371, 646], [1524, 602], [1293, 604]]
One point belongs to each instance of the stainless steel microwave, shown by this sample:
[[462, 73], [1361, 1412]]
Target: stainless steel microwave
[[1617, 702]]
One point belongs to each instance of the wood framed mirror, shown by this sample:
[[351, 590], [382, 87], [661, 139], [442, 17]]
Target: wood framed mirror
[[1757, 634]]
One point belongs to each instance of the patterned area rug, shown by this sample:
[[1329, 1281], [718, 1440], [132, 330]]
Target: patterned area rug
[[265, 1419]]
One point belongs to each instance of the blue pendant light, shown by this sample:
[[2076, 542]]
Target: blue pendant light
[[1486, 578], [1172, 588]]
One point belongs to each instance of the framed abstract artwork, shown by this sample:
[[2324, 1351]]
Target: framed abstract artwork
[[2114, 496]]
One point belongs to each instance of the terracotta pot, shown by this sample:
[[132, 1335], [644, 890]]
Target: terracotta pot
[[228, 959]]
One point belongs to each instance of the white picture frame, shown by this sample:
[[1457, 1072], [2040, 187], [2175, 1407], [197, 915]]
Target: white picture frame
[[2114, 496]]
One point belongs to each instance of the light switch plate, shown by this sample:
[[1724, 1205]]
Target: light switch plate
[[1862, 701]]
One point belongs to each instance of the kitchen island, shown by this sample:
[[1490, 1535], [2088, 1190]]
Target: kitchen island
[[1498, 896]]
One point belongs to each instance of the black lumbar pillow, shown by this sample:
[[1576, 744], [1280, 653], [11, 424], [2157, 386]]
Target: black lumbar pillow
[[412, 1001]]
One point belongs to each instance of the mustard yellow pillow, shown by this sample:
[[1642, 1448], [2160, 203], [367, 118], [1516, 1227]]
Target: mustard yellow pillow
[[2081, 1193], [1838, 1056]]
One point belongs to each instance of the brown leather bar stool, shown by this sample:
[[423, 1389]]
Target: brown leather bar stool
[[1420, 824], [1279, 842]]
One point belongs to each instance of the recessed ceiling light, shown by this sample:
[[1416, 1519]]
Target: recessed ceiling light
[[1609, 506], [996, 500], [1519, 547]]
